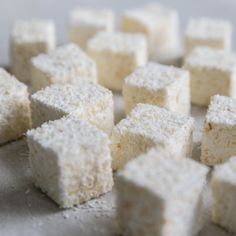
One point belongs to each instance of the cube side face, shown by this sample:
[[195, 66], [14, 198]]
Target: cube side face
[[206, 82], [224, 208], [80, 35], [178, 96], [218, 143], [114, 67], [182, 146], [133, 95], [16, 117], [139, 212], [86, 178], [39, 79], [191, 43], [45, 169], [41, 113], [101, 114], [21, 54], [127, 146]]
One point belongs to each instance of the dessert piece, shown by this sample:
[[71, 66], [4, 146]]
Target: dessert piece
[[70, 160], [15, 118], [66, 64], [156, 84], [150, 126], [218, 142], [158, 194], [212, 71], [214, 33], [27, 40], [223, 185], [117, 55], [84, 23], [159, 23], [88, 101]]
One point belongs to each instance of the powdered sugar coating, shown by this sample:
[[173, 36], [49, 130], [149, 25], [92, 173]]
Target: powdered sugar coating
[[207, 28], [155, 76], [154, 122], [117, 42], [10, 85], [70, 160], [15, 117], [222, 110], [60, 134], [209, 58], [32, 31], [65, 64], [69, 98]]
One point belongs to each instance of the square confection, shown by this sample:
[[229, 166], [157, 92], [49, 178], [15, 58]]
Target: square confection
[[156, 84], [84, 23], [218, 143], [27, 40], [159, 23], [212, 71], [88, 101], [66, 64], [70, 160], [117, 55], [223, 185], [214, 33], [158, 194], [15, 118], [151, 126]]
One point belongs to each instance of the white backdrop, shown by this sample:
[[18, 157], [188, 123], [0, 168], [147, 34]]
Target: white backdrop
[[11, 10]]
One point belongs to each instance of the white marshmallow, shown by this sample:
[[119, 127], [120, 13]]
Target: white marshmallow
[[150, 126], [70, 160], [117, 55]]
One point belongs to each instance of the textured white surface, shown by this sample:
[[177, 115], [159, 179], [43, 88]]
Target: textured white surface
[[24, 210]]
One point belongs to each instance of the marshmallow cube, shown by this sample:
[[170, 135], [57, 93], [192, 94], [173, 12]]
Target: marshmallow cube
[[27, 40], [150, 126], [117, 55], [212, 71], [158, 194], [70, 160], [223, 185], [66, 64], [156, 84], [214, 33], [219, 143], [88, 101], [15, 117], [159, 23], [84, 23]]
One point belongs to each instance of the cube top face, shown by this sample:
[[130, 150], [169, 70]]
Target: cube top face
[[156, 123], [67, 59], [211, 59], [117, 42], [222, 111], [226, 172], [10, 86], [33, 31], [154, 76], [98, 18], [163, 174], [69, 98], [206, 28], [69, 137]]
